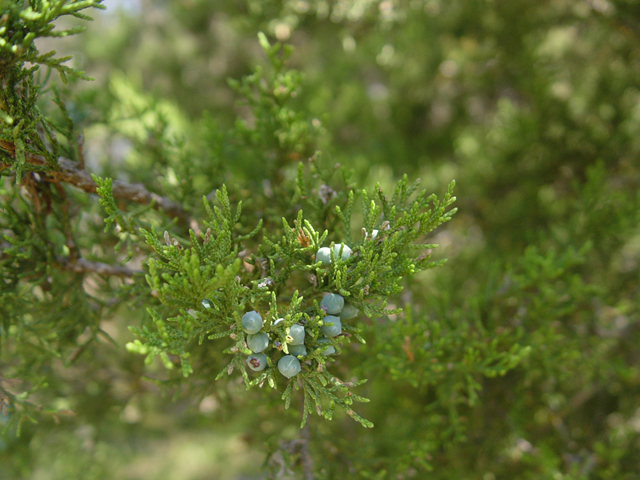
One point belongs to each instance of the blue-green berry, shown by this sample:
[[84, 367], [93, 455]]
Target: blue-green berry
[[297, 350], [206, 303], [332, 303], [346, 251], [257, 362], [330, 350], [349, 311], [332, 326], [258, 342], [323, 255], [251, 322], [289, 366], [296, 335]]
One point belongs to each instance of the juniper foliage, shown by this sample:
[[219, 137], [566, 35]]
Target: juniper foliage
[[204, 281], [517, 359]]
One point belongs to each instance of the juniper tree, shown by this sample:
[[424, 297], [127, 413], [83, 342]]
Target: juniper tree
[[215, 259], [198, 276], [516, 359]]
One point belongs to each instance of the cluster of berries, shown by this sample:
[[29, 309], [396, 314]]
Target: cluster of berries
[[335, 310]]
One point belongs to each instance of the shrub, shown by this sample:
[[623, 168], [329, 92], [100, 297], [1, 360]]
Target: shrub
[[130, 267]]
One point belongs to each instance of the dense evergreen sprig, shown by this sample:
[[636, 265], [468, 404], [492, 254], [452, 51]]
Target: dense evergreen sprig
[[22, 23], [20, 115], [208, 291]]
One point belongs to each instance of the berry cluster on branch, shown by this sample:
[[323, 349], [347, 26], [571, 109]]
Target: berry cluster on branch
[[279, 325]]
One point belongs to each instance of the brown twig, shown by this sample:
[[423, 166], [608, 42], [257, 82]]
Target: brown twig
[[74, 174], [86, 266], [71, 173], [307, 461], [80, 143]]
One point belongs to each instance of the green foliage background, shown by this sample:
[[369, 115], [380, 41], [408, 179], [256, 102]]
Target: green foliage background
[[518, 358]]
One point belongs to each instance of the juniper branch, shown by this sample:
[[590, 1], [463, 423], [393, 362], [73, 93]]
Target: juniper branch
[[86, 266], [71, 174], [307, 460]]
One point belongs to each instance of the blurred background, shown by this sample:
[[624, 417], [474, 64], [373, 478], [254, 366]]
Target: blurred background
[[532, 106]]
